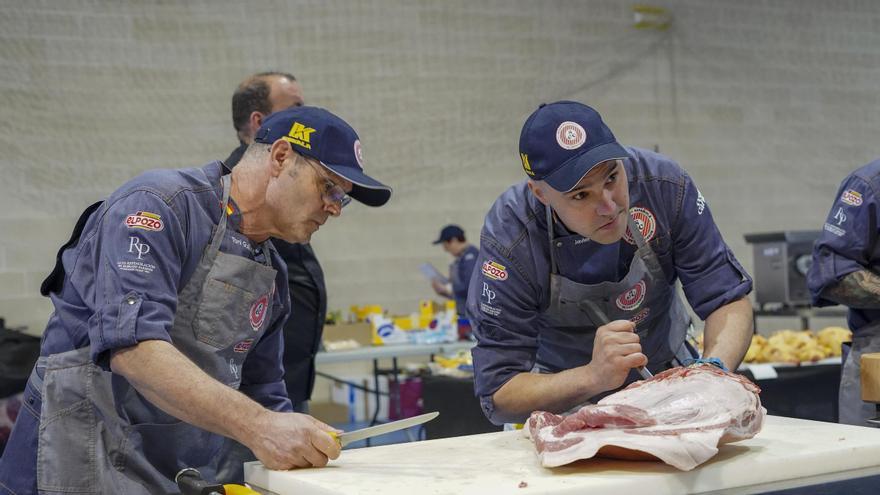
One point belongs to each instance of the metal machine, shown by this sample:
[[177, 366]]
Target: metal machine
[[781, 263]]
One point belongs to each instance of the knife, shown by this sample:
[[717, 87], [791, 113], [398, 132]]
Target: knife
[[645, 374], [347, 437]]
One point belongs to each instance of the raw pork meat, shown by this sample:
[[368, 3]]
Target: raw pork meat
[[680, 417]]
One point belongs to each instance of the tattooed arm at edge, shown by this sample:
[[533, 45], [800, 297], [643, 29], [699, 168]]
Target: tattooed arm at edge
[[859, 289]]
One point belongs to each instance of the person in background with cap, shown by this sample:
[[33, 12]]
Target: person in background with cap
[[169, 301], [846, 263], [465, 254], [255, 98], [577, 269]]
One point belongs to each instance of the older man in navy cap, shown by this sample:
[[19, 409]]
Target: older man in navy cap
[[169, 303], [465, 257], [578, 266]]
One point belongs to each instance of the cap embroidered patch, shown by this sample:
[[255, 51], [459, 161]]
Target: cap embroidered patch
[[494, 270], [645, 221], [258, 312], [850, 197], [570, 135], [145, 220], [358, 153], [632, 298]]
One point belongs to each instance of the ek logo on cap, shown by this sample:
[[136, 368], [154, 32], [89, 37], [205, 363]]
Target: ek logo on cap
[[526, 166], [300, 134]]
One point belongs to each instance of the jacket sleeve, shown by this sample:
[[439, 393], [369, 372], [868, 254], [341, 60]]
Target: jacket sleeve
[[128, 269], [848, 236], [710, 274], [503, 305]]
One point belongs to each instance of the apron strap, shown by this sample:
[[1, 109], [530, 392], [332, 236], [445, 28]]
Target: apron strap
[[553, 268], [221, 225]]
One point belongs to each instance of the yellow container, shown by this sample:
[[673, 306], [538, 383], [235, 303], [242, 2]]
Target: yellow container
[[360, 313]]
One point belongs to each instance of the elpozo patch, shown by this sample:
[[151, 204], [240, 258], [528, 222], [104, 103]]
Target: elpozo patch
[[852, 198], [145, 220], [495, 271]]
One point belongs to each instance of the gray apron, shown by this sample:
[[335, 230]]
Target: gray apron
[[642, 296], [125, 444], [853, 410]]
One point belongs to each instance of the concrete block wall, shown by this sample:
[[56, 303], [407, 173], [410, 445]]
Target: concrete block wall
[[768, 105]]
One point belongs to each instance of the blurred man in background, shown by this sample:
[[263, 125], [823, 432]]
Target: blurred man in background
[[465, 256], [255, 98]]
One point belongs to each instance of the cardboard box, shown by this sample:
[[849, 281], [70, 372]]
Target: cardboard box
[[329, 412], [360, 332], [870, 365]]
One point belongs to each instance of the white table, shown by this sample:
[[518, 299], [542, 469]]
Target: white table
[[390, 351], [787, 453]]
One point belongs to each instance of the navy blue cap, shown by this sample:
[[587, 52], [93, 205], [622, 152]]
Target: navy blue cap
[[317, 133], [561, 142], [450, 232]]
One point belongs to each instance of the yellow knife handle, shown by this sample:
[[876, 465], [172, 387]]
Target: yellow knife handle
[[239, 490], [335, 436]]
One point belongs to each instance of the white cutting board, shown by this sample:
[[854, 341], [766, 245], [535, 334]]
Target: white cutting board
[[787, 451]]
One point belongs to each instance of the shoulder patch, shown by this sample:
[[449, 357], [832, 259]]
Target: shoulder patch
[[495, 271], [144, 220], [852, 198]]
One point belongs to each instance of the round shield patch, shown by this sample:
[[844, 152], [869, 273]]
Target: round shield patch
[[570, 135], [258, 312], [358, 153], [632, 298], [646, 222]]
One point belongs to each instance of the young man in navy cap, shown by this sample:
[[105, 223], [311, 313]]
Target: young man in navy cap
[[453, 241], [169, 303], [577, 271], [846, 263]]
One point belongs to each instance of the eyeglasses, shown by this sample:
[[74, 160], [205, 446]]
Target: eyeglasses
[[331, 192]]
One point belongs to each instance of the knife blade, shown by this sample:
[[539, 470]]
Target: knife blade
[[643, 372], [347, 437]]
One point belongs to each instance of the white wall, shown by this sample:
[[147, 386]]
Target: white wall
[[768, 105]]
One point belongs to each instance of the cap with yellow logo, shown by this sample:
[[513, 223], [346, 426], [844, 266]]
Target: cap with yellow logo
[[317, 133]]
